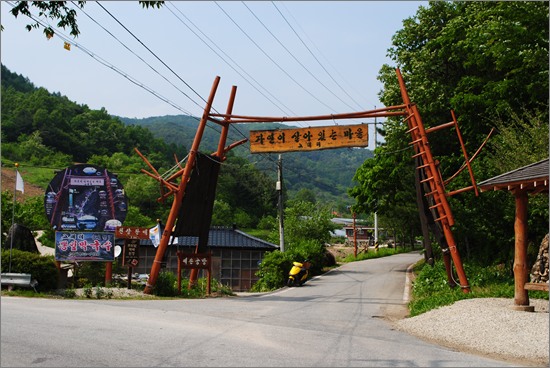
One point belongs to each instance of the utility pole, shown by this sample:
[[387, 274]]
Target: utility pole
[[375, 216], [279, 188]]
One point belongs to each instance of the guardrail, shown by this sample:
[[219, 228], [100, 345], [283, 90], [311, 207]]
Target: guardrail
[[18, 279]]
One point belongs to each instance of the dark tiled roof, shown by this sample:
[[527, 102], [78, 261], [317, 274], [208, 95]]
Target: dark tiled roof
[[224, 237], [533, 178]]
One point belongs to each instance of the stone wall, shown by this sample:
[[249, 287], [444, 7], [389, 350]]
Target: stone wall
[[539, 271]]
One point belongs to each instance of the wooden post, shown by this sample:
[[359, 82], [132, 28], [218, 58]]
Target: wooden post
[[129, 281], [176, 204], [354, 237], [180, 256], [521, 272], [108, 273]]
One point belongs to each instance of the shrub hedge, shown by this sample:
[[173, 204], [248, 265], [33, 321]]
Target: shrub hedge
[[42, 268]]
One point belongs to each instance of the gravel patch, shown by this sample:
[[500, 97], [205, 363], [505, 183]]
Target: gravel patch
[[114, 293], [487, 326]]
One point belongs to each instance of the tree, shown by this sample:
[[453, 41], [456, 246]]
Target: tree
[[58, 10], [306, 222], [487, 61], [246, 190]]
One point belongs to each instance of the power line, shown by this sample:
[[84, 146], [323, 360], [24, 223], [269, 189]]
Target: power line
[[271, 59], [294, 57], [318, 61], [228, 57], [139, 57], [155, 55]]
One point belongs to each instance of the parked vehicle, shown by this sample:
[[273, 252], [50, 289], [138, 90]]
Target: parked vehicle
[[299, 273]]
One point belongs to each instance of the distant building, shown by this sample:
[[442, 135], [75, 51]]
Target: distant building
[[364, 235], [235, 256]]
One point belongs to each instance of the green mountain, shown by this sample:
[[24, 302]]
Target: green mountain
[[327, 173], [50, 130]]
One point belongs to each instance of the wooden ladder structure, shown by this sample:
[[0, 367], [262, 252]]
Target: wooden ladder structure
[[431, 177], [437, 194]]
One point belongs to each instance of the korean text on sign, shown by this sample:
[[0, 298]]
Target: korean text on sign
[[90, 246], [308, 139]]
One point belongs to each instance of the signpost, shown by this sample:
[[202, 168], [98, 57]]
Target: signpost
[[131, 236], [194, 261], [130, 257], [309, 139], [127, 232]]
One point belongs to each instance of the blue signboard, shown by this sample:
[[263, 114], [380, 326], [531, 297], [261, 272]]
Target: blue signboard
[[84, 246]]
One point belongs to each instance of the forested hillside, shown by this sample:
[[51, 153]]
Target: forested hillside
[[326, 173], [46, 132]]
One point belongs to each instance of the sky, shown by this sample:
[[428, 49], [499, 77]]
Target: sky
[[291, 58]]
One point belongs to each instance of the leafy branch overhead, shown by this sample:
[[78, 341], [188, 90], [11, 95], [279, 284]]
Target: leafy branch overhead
[[58, 10]]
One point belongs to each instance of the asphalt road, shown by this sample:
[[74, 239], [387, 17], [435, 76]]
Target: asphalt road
[[336, 320]]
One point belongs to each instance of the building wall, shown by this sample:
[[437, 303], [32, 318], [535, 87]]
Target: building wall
[[235, 268]]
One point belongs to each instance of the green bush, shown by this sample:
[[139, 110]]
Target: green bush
[[273, 271], [90, 272], [166, 284], [42, 268], [88, 290], [69, 293], [99, 292]]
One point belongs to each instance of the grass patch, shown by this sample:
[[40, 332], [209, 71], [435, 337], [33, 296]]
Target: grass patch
[[430, 289], [382, 252]]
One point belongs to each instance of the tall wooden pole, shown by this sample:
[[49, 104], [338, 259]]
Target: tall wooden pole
[[281, 209], [521, 272], [220, 153], [434, 180], [178, 197]]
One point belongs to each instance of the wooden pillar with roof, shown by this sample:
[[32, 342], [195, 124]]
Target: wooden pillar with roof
[[531, 179]]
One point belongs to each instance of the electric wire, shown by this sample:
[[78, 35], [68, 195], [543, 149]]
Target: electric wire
[[66, 39], [104, 62], [194, 117], [155, 55], [133, 80], [272, 60], [294, 56], [131, 51], [228, 57], [148, 49], [330, 75]]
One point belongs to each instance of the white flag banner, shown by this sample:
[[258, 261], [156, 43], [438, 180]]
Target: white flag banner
[[154, 235], [19, 184]]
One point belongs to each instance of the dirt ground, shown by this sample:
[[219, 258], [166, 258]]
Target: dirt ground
[[8, 183], [340, 251]]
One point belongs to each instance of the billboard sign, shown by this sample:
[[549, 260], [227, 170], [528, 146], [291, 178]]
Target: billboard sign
[[308, 139], [84, 246], [85, 197]]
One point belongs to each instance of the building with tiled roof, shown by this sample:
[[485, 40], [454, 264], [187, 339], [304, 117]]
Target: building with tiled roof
[[235, 256]]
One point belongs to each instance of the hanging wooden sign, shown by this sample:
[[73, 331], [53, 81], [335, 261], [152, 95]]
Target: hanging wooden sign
[[309, 139]]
